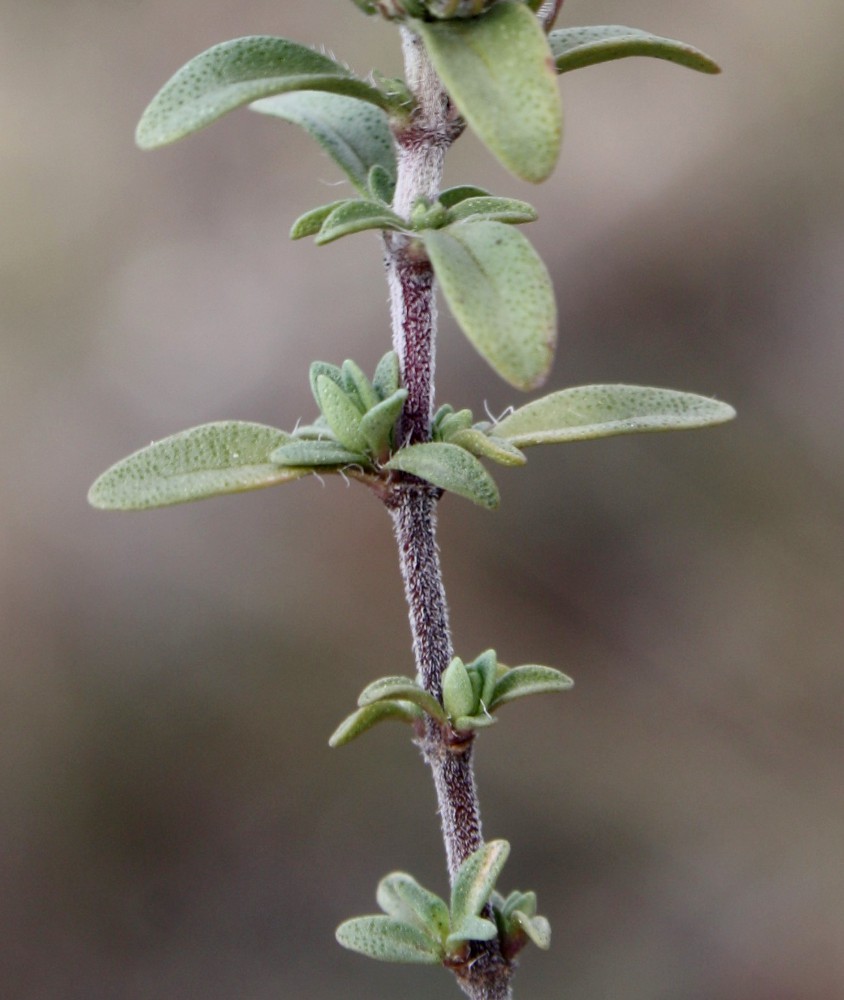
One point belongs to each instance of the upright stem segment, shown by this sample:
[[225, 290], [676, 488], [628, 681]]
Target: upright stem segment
[[422, 143]]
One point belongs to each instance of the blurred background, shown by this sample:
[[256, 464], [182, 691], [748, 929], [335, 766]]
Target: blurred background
[[172, 822]]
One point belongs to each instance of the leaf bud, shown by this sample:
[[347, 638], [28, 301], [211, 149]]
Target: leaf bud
[[459, 697]]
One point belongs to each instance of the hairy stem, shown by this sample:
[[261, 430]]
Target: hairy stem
[[422, 143]]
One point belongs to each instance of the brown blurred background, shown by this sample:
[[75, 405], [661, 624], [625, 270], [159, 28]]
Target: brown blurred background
[[172, 822]]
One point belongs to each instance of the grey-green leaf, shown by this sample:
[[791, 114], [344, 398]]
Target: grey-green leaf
[[381, 183], [402, 688], [387, 375], [476, 879], [472, 929], [319, 454], [576, 47], [509, 210], [342, 414], [389, 940], [500, 294], [310, 223], [356, 216], [593, 411], [494, 448], [400, 896], [449, 467], [458, 692], [499, 70], [529, 679], [454, 195], [370, 715], [377, 424], [353, 133], [536, 928], [224, 457], [238, 72]]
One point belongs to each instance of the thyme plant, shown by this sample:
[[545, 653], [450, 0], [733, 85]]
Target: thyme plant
[[490, 65]]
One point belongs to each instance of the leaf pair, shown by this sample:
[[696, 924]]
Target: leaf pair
[[470, 694], [418, 926]]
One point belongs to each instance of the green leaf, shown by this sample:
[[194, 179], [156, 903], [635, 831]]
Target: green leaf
[[500, 294], [486, 664], [449, 423], [387, 377], [318, 368], [464, 723], [368, 716], [536, 928], [353, 133], [454, 195], [576, 47], [238, 72], [358, 385], [509, 210], [524, 901], [476, 879], [458, 694], [500, 72], [449, 467], [356, 216], [494, 448], [226, 457], [389, 940], [402, 688], [400, 896], [342, 414], [472, 929], [378, 423], [311, 222], [381, 183], [593, 411], [530, 679], [299, 454]]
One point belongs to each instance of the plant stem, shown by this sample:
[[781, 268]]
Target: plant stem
[[422, 143]]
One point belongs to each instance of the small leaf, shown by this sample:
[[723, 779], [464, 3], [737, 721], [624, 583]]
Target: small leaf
[[400, 896], [466, 723], [451, 423], [311, 222], [593, 411], [509, 210], [536, 928], [225, 457], [401, 688], [486, 665], [238, 72], [389, 940], [353, 133], [500, 72], [368, 716], [576, 47], [472, 929], [341, 413], [500, 294], [378, 423], [476, 879], [530, 679], [454, 195], [387, 375], [296, 454], [381, 183], [494, 448], [458, 693], [449, 467], [358, 385], [318, 368], [356, 216], [524, 901]]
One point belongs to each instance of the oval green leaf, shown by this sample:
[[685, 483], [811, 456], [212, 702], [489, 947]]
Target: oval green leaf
[[499, 71], [342, 414], [536, 928], [355, 217], [311, 222], [317, 454], [576, 47], [224, 457], [593, 411], [449, 467], [353, 133], [494, 448], [389, 940], [378, 423], [500, 294], [476, 879], [387, 376], [370, 715], [530, 679], [399, 895], [458, 692], [401, 688], [472, 929], [238, 72], [509, 210]]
